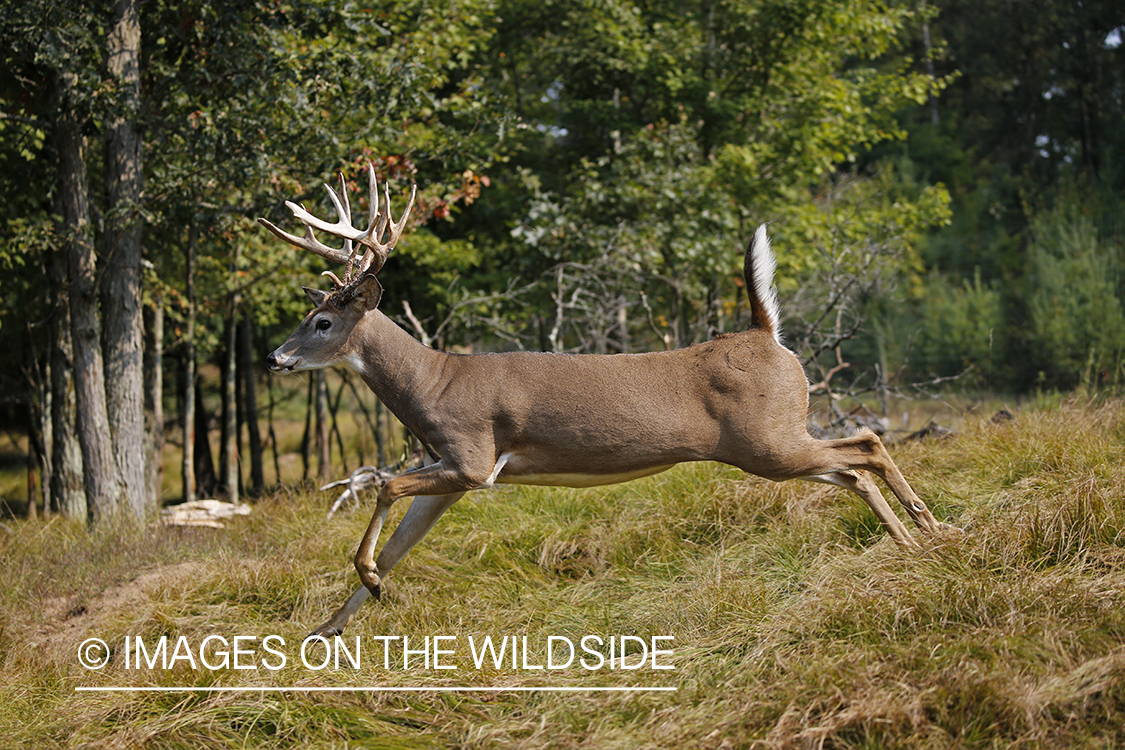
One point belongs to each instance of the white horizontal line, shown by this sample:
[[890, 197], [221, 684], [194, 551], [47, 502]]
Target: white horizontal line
[[372, 689]]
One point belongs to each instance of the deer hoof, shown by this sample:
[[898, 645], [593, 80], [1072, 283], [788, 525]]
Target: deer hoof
[[374, 585], [369, 577], [327, 630]]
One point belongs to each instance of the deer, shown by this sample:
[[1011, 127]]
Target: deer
[[565, 420]]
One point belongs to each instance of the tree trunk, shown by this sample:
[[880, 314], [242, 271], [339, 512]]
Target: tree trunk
[[334, 410], [935, 118], [623, 326], [121, 263], [39, 435], [206, 482], [154, 401], [250, 404], [306, 437], [228, 458], [323, 463], [100, 475], [381, 451], [36, 458], [273, 434], [67, 494], [189, 478]]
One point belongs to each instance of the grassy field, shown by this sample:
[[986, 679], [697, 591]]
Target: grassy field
[[796, 623]]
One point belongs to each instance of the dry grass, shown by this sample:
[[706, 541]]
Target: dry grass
[[797, 623]]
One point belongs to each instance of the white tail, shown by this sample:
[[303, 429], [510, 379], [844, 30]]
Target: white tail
[[578, 421], [759, 271]]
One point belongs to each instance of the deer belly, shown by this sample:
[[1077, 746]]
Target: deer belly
[[574, 479]]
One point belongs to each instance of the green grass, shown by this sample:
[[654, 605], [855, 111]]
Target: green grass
[[797, 623]]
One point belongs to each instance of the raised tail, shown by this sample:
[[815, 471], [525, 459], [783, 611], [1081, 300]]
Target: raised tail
[[758, 270]]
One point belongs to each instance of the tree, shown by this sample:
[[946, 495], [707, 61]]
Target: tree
[[121, 261], [1028, 125], [65, 44], [101, 475], [660, 135]]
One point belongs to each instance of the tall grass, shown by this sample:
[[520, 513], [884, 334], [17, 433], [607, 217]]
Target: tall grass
[[797, 623]]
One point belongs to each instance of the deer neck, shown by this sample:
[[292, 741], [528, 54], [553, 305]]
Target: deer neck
[[395, 366]]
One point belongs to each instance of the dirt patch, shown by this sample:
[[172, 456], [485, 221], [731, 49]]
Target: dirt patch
[[70, 617]]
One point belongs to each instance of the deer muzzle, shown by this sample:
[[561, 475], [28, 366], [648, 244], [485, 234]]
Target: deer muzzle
[[278, 362]]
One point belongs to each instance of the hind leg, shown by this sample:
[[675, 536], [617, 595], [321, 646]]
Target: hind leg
[[866, 451], [869, 491]]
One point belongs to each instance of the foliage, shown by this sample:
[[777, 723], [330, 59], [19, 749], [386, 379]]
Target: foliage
[[247, 118], [1029, 124], [863, 236], [589, 171], [653, 208], [961, 328], [691, 128], [1076, 318]]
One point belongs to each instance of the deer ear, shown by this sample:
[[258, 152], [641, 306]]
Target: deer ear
[[368, 293], [318, 296]]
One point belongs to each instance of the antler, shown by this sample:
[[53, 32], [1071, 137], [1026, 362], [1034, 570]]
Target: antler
[[378, 221]]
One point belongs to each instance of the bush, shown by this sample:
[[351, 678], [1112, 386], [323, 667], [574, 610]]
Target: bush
[[960, 328], [1077, 323]]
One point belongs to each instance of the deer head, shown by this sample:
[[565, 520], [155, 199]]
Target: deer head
[[322, 336]]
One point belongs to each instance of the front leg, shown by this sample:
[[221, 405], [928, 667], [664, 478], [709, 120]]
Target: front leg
[[419, 519], [435, 479], [342, 616], [365, 555]]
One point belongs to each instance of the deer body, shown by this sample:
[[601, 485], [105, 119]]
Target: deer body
[[585, 420], [574, 420]]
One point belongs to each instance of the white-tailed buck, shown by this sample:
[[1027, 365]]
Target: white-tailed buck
[[566, 420]]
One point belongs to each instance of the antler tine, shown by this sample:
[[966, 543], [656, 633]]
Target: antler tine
[[376, 219], [345, 215], [373, 212], [346, 210], [308, 241], [342, 227], [351, 251], [396, 228], [383, 249]]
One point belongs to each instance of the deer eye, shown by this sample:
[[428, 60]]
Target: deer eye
[[323, 324]]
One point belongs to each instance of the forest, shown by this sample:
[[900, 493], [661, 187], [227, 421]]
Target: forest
[[942, 183]]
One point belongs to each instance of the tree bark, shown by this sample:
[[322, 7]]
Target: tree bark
[[334, 409], [306, 437], [323, 462], [67, 494], [206, 482], [250, 404], [228, 459], [381, 451], [40, 431], [100, 475], [154, 401], [935, 117], [273, 434], [36, 460], [188, 466], [121, 263]]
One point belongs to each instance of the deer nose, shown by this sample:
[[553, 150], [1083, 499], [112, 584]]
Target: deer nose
[[273, 362]]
